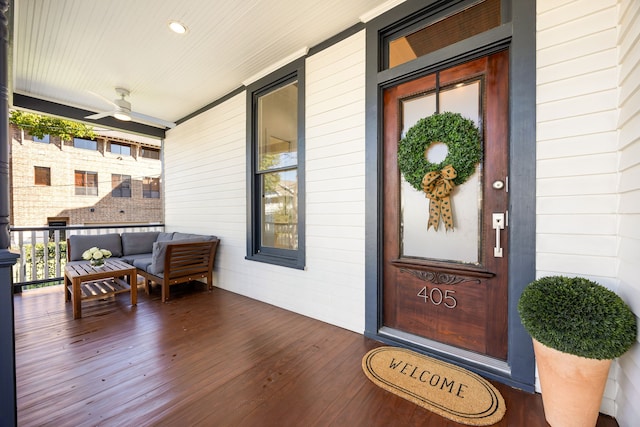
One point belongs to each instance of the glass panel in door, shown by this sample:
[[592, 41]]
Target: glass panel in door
[[463, 243]]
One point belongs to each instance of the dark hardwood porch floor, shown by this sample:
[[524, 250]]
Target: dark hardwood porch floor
[[204, 359]]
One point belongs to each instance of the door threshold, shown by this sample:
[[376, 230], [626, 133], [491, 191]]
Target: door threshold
[[448, 352]]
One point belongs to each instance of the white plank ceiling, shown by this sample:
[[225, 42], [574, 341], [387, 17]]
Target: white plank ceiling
[[74, 52]]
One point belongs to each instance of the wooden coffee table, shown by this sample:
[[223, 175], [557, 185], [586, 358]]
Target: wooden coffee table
[[83, 282]]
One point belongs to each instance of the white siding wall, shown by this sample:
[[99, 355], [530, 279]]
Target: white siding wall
[[205, 182], [577, 157], [628, 412], [335, 122], [205, 188]]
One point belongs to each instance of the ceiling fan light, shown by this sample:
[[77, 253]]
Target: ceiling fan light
[[177, 27], [122, 116]]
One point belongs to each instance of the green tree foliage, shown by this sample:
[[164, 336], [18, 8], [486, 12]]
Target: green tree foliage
[[28, 261], [271, 180], [40, 126]]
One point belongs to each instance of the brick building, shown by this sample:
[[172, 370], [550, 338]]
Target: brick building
[[114, 179]]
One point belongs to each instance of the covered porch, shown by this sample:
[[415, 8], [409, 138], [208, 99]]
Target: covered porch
[[281, 342], [205, 359]]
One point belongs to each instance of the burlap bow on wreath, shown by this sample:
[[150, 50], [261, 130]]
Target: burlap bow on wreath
[[437, 186]]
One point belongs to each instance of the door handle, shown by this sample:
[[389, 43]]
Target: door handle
[[498, 224]]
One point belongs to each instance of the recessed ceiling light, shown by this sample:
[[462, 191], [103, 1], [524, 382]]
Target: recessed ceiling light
[[177, 27]]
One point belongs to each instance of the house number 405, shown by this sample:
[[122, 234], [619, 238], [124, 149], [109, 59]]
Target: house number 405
[[437, 296]]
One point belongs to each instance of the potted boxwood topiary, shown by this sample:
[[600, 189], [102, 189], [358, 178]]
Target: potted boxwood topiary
[[578, 327]]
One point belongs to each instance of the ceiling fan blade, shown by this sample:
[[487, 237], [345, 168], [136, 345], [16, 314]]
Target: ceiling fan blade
[[99, 115], [153, 120], [105, 99]]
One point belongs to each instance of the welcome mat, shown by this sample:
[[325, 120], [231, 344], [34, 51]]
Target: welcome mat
[[443, 388]]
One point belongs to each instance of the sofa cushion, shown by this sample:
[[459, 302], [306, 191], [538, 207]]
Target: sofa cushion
[[160, 252], [195, 237], [129, 259], [80, 243], [142, 263], [138, 242], [163, 237]]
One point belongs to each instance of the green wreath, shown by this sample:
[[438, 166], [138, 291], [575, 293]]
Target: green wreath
[[460, 135]]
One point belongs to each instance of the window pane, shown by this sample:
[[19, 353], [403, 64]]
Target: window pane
[[92, 179], [42, 175], [121, 185], [438, 35], [150, 153], [79, 179], [125, 186], [86, 183], [44, 139], [86, 144], [151, 188], [280, 209], [121, 149], [92, 184], [417, 240], [278, 128]]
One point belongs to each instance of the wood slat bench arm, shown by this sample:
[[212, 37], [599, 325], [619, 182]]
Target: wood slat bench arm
[[184, 262]]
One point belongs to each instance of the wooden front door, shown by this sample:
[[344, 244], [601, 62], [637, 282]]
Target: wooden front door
[[450, 286]]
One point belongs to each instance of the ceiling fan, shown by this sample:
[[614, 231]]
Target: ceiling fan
[[122, 111]]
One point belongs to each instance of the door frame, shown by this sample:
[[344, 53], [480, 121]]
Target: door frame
[[517, 33]]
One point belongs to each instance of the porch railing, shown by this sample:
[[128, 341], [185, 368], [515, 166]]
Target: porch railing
[[43, 251]]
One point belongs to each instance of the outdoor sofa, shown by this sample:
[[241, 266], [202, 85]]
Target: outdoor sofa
[[159, 257]]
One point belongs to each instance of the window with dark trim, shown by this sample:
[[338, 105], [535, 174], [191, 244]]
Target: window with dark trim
[[57, 222], [42, 175], [275, 153], [121, 185], [150, 188], [150, 153], [431, 33], [86, 183]]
